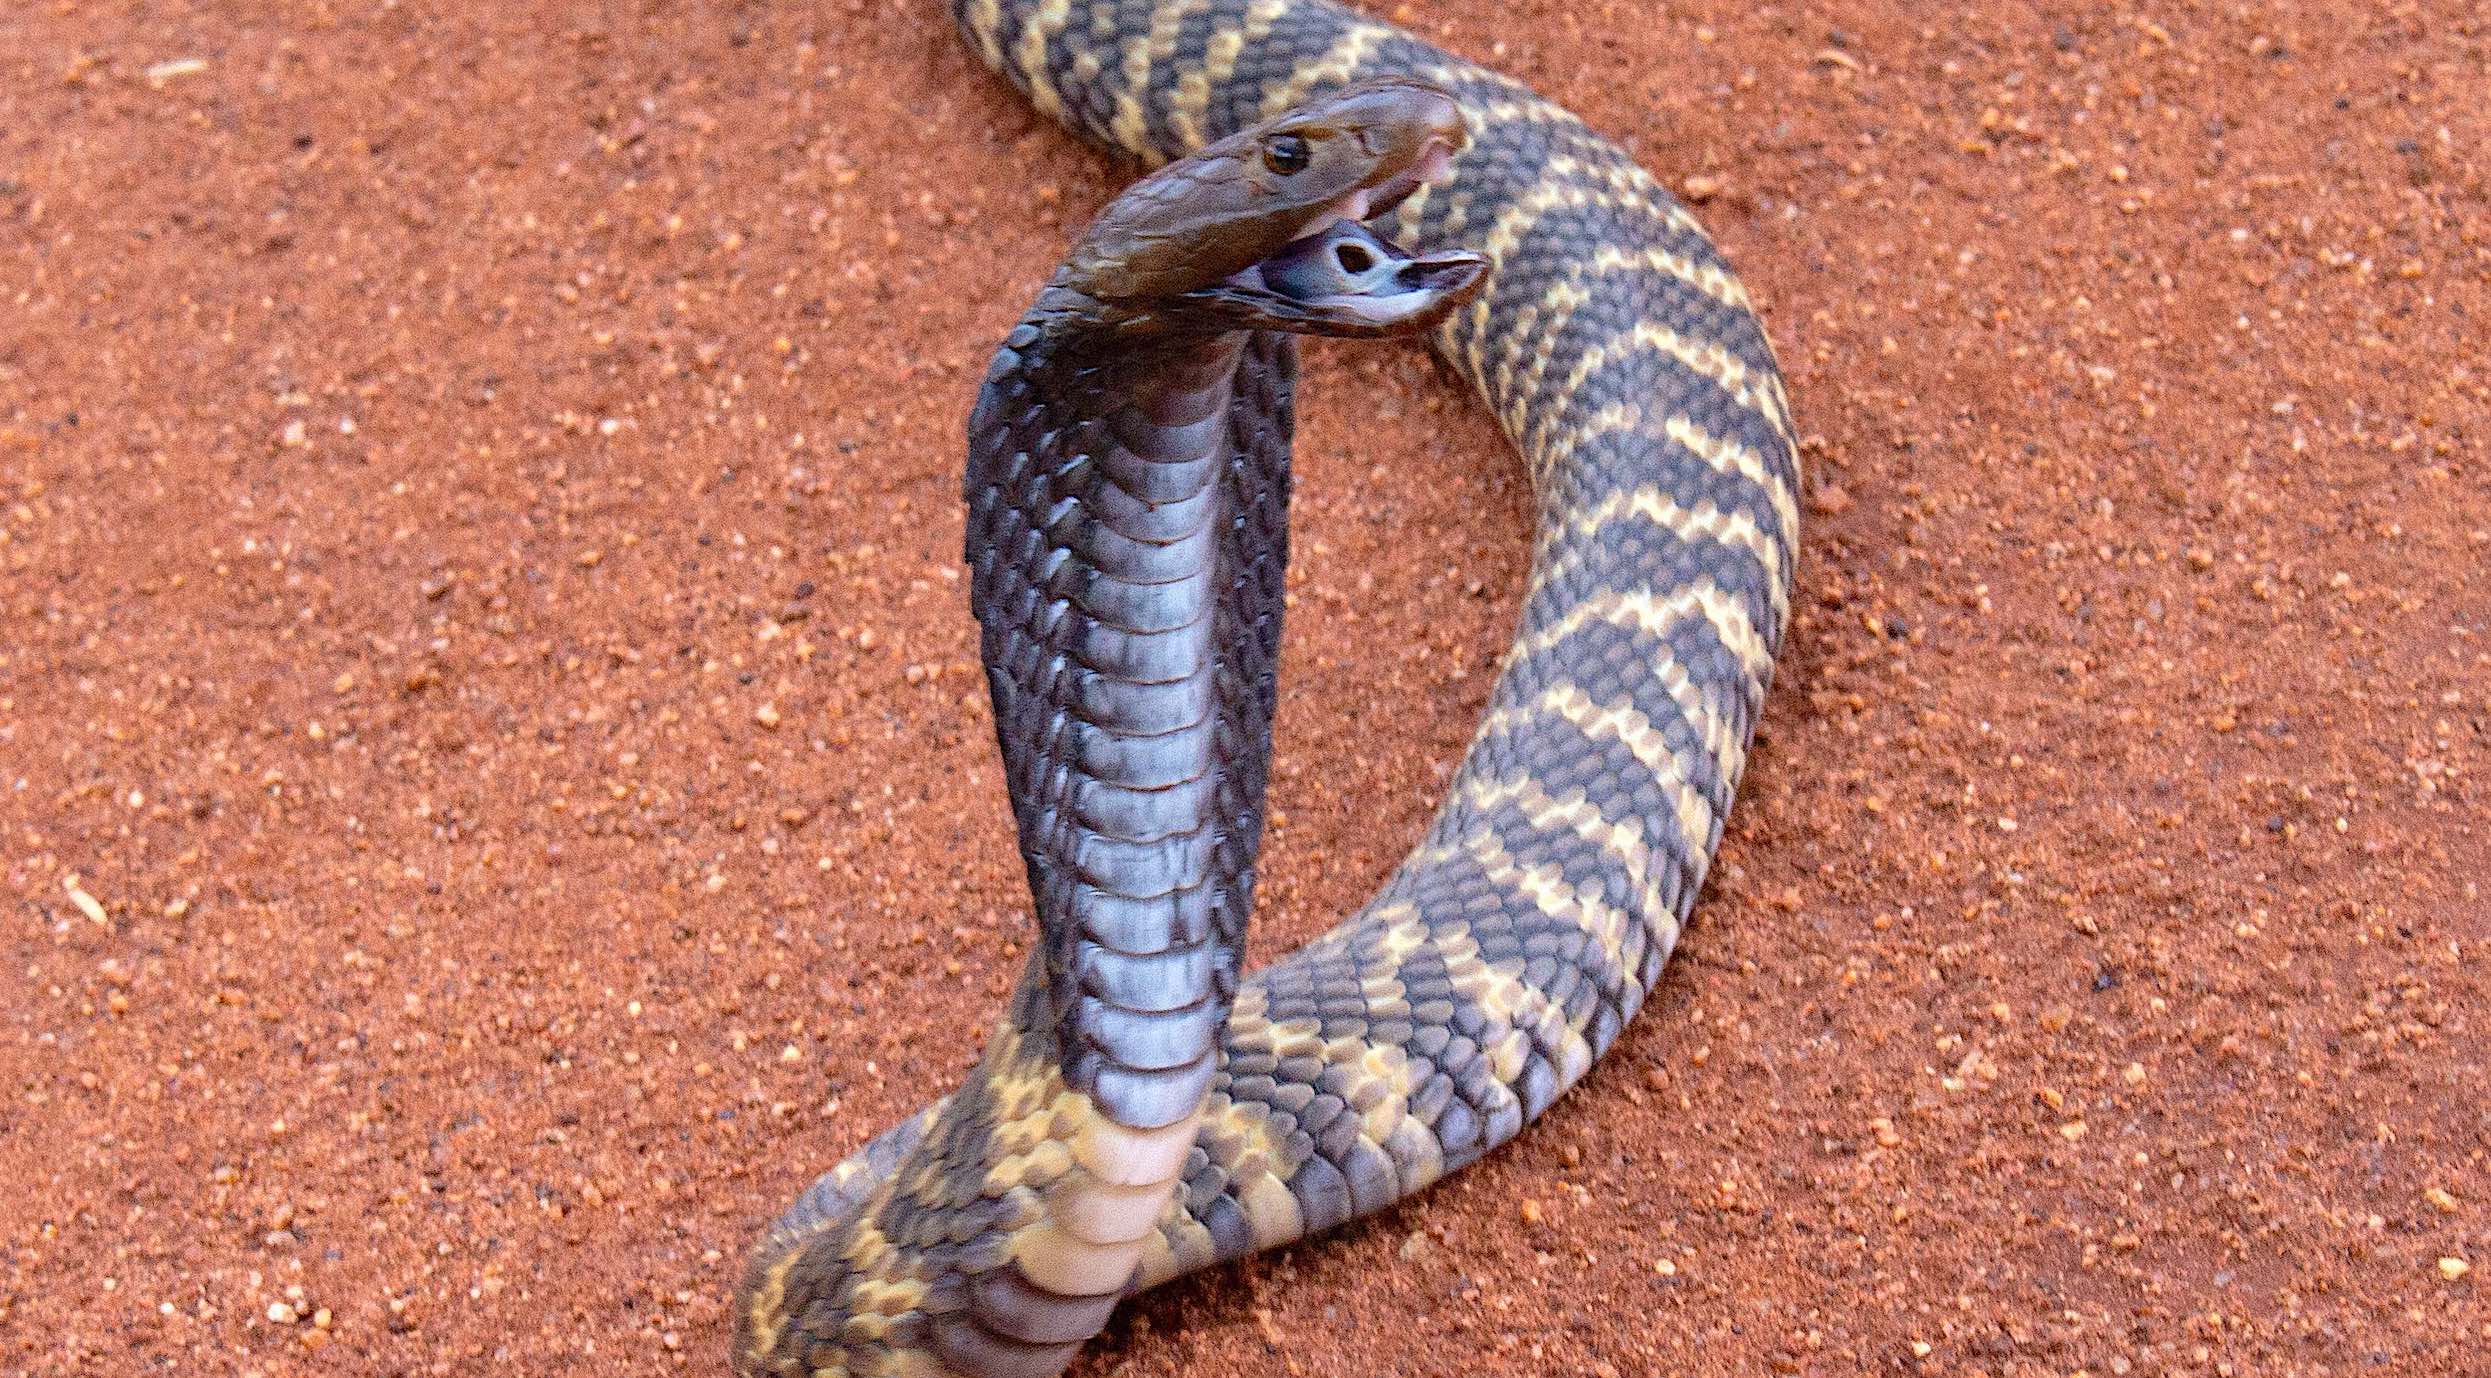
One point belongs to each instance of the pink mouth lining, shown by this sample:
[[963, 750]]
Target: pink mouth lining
[[1367, 202]]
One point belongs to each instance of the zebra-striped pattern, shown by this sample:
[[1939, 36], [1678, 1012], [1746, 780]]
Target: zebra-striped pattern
[[1504, 956]]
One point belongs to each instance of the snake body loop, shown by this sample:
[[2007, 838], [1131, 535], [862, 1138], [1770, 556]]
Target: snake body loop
[[1142, 1110]]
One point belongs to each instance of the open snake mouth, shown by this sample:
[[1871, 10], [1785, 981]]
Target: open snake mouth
[[1342, 278], [1368, 202]]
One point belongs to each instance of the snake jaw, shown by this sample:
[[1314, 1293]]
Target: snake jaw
[[1345, 280]]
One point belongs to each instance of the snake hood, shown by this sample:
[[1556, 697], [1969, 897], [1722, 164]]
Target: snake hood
[[1261, 229]]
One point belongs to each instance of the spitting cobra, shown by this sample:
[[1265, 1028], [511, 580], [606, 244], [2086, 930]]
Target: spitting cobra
[[1142, 1109]]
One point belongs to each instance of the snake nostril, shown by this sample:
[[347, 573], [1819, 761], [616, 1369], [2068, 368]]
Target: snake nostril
[[1353, 258]]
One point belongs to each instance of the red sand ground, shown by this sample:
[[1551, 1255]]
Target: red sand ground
[[440, 440]]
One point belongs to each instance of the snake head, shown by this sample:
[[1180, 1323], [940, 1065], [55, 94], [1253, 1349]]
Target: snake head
[[1261, 230]]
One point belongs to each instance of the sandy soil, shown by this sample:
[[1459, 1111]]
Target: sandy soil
[[493, 791]]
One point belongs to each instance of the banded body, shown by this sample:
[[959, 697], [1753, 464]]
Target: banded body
[[1509, 949]]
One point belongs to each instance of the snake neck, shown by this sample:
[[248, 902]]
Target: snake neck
[[1097, 516], [1101, 481], [1110, 504]]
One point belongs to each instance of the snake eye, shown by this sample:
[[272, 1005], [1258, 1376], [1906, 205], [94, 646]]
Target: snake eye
[[1287, 154]]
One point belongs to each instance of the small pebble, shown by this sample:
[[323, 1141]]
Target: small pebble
[[164, 72], [86, 904]]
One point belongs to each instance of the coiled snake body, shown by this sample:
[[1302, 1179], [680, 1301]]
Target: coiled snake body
[[1142, 1109]]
